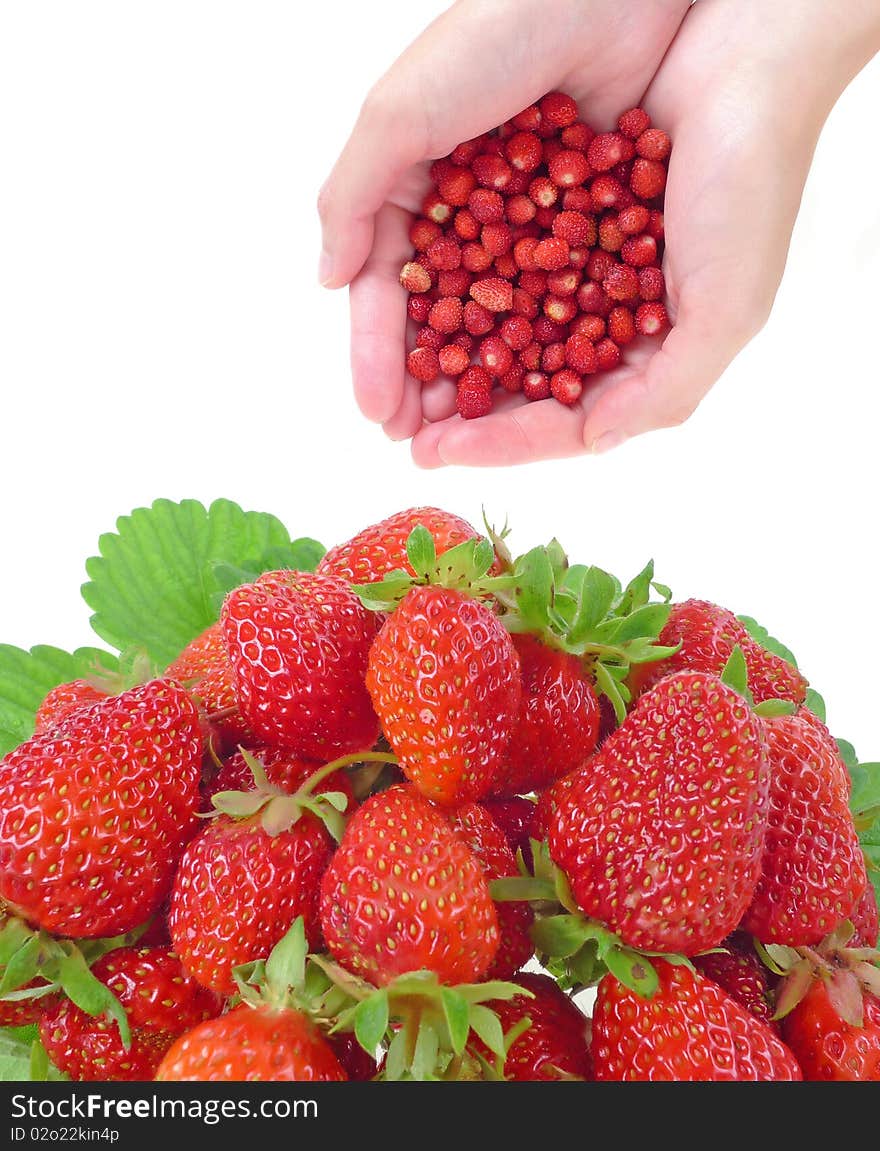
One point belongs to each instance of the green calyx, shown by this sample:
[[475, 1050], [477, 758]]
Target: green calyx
[[61, 966], [735, 674], [279, 810]]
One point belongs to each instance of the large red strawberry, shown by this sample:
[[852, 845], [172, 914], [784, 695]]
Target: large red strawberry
[[403, 893], [444, 679], [660, 834], [708, 634], [554, 1046], [203, 666], [865, 920], [558, 722], [489, 844], [689, 1030], [743, 976], [829, 1048], [64, 700], [253, 1045], [298, 644], [812, 868], [94, 815], [515, 815], [381, 548], [160, 1000]]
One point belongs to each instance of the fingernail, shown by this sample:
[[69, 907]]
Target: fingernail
[[325, 269], [607, 441]]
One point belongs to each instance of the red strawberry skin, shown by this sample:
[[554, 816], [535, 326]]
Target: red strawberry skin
[[64, 700], [826, 1047], [660, 834], [558, 722], [689, 1030], [708, 634], [813, 870], [444, 678], [298, 644], [742, 975], [381, 548], [94, 815], [865, 920], [237, 891], [252, 1045], [556, 1043], [160, 1000], [489, 844], [203, 666], [403, 893]]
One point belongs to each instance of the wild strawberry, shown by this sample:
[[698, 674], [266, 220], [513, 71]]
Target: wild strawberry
[[404, 893], [446, 315], [591, 328], [648, 178], [63, 701], [530, 356], [472, 401], [381, 548], [563, 282], [813, 869], [653, 144], [528, 120], [608, 149], [456, 184], [685, 777], [651, 319], [555, 1045], [606, 192], [423, 233], [558, 110], [634, 220], [639, 251], [418, 307], [560, 309], [568, 168], [524, 253], [523, 151], [473, 823], [505, 266], [496, 239], [444, 254], [741, 974], [495, 356], [577, 136], [519, 210], [466, 225], [543, 192], [491, 172], [547, 331], [524, 304], [486, 206], [435, 209], [611, 238], [454, 283], [536, 385], [688, 1030], [453, 360], [651, 283], [253, 1044], [622, 329], [475, 376], [493, 293], [516, 331], [430, 338], [621, 282], [566, 386], [577, 200], [580, 355], [534, 282], [633, 123], [607, 355], [599, 264], [464, 152], [464, 340], [160, 1000], [512, 379], [553, 359], [573, 227], [477, 319], [298, 643], [423, 365], [656, 225], [123, 772], [551, 253], [708, 634], [475, 258], [828, 1048], [592, 300], [444, 678], [544, 218]]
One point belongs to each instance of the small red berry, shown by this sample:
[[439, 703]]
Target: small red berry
[[580, 355], [466, 225], [611, 238], [414, 277], [639, 251], [621, 282], [516, 331], [599, 264], [592, 299], [465, 152], [446, 315], [568, 168], [547, 331], [444, 254], [633, 122], [553, 358], [473, 402], [606, 192], [558, 110], [423, 233], [493, 293], [476, 376], [435, 208], [633, 220], [577, 200], [477, 319], [496, 356], [535, 386], [506, 266], [591, 326], [454, 283], [607, 355], [486, 206], [453, 360], [551, 253], [511, 381], [491, 172], [573, 227], [577, 136], [651, 319], [561, 309], [544, 218], [655, 225], [648, 178], [528, 120], [524, 304], [475, 258], [533, 282], [651, 283], [496, 239], [456, 184], [429, 338], [543, 192], [653, 144], [621, 326], [519, 210], [564, 282], [423, 365], [530, 356], [523, 151], [608, 149], [566, 386], [418, 307]]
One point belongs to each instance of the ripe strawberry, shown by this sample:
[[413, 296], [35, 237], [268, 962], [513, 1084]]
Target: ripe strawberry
[[741, 974], [689, 1030], [651, 319], [639, 252], [865, 920], [486, 206], [828, 1048], [446, 315], [708, 634], [254, 1045], [556, 1043], [621, 282], [652, 284], [466, 224], [403, 893], [553, 360], [608, 149], [519, 210], [580, 355], [444, 679], [574, 227], [564, 282], [492, 172], [516, 331], [497, 240], [456, 184], [515, 816], [95, 814], [476, 377], [472, 401], [495, 356], [160, 1000], [577, 136], [298, 644], [647, 179], [528, 120], [423, 365], [62, 701], [812, 870], [453, 359], [475, 258], [493, 293], [536, 385], [611, 237], [512, 380], [423, 233], [414, 277], [418, 307], [444, 254], [543, 192], [566, 386], [429, 338], [523, 151], [606, 192], [557, 110], [633, 123], [477, 319], [558, 720], [204, 668], [588, 327], [607, 355], [381, 548], [632, 221], [621, 326], [653, 144], [551, 253], [660, 834], [568, 168], [489, 844]]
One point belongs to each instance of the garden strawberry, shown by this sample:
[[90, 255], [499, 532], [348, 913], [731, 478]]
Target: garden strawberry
[[738, 970], [160, 1000], [203, 666], [298, 644], [660, 834], [444, 679], [865, 919], [558, 720], [253, 1045], [689, 1030], [827, 1047], [404, 893], [94, 815], [64, 700], [812, 870]]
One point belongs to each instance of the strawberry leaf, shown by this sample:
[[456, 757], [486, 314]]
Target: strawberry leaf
[[26, 677], [486, 1024], [815, 703], [160, 577], [371, 1021], [16, 1055], [456, 1012], [735, 673]]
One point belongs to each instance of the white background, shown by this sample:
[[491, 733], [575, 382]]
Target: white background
[[162, 334]]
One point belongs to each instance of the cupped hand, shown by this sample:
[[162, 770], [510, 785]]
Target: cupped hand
[[738, 166]]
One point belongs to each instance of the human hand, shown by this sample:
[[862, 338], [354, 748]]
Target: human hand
[[724, 90]]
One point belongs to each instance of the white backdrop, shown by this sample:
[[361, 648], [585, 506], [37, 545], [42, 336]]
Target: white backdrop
[[162, 334]]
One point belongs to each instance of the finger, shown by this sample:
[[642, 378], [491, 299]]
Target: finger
[[407, 420], [378, 320]]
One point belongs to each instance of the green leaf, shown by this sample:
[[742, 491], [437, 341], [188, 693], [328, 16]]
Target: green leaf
[[632, 970], [286, 964], [765, 639], [533, 589], [815, 703], [456, 1011], [486, 1024], [302, 554], [39, 1062], [847, 753], [597, 594], [26, 677], [155, 581], [638, 591], [865, 793], [16, 1056], [89, 993], [560, 935], [421, 551], [647, 621], [427, 1049], [775, 707], [736, 674], [371, 1021], [607, 685]]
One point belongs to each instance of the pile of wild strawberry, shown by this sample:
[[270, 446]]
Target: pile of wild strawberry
[[384, 820], [537, 255]]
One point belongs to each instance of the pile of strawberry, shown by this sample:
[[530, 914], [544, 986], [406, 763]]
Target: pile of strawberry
[[537, 255], [388, 818]]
